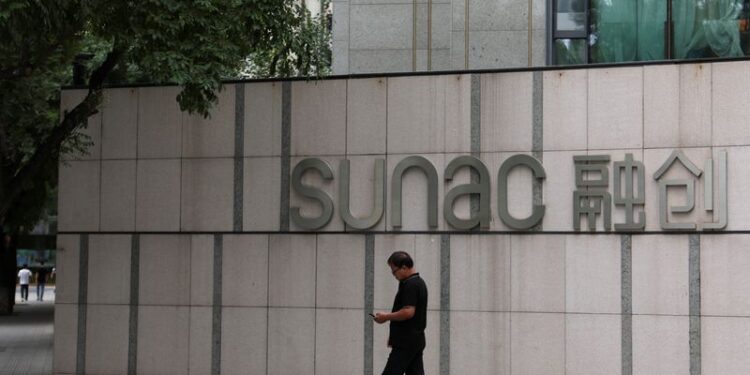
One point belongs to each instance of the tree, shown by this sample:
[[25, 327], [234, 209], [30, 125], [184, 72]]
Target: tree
[[304, 52], [195, 44]]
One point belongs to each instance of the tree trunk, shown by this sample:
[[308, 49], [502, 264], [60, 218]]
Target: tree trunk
[[50, 146], [7, 273], [13, 187]]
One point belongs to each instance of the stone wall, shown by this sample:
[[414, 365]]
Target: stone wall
[[375, 36], [177, 253]]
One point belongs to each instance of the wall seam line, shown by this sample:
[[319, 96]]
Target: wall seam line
[[268, 299], [369, 302], [466, 34], [529, 34], [239, 150], [83, 271], [217, 301], [414, 37], [135, 251], [695, 304], [135, 178], [475, 104], [626, 290], [315, 311], [286, 124], [445, 313], [537, 135]]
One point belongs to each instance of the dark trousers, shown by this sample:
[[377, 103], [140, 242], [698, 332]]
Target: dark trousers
[[404, 361], [25, 291], [39, 291]]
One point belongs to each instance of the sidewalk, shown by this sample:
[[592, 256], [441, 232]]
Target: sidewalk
[[26, 337]]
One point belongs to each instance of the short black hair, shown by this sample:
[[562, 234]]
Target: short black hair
[[25, 265], [401, 259]]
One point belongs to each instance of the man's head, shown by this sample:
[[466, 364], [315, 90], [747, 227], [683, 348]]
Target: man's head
[[25, 266], [401, 264]]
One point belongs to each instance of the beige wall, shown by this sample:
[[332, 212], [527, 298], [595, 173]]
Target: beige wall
[[157, 192]]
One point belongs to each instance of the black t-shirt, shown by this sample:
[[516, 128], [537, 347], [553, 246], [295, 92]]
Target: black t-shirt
[[410, 333], [42, 275]]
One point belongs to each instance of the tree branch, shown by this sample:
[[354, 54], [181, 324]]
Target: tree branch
[[69, 123], [275, 61]]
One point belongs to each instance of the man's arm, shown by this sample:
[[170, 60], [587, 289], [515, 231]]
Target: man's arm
[[406, 313]]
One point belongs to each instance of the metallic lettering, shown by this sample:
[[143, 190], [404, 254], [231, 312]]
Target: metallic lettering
[[378, 205], [313, 193], [721, 210], [631, 169], [432, 187], [482, 189], [591, 196], [537, 211]]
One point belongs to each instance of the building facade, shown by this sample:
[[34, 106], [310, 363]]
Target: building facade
[[580, 221], [371, 36], [374, 36]]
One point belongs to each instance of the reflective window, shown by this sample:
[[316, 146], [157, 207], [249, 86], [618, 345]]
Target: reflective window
[[642, 30], [570, 51], [571, 15]]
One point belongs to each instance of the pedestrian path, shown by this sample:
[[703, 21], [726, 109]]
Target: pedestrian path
[[26, 337]]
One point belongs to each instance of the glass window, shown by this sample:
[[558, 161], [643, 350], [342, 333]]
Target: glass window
[[627, 30], [571, 15], [601, 31], [716, 28], [570, 51]]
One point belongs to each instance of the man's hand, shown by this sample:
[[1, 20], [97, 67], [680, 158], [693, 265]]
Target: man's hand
[[380, 318]]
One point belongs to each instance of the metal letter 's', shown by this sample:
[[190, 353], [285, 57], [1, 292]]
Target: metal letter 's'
[[313, 193], [378, 204], [482, 188], [432, 187], [537, 212]]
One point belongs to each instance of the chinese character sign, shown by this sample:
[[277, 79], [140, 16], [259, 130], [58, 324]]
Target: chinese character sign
[[635, 192], [591, 198], [718, 213]]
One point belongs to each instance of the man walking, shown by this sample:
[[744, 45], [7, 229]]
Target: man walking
[[41, 281], [408, 318], [24, 275]]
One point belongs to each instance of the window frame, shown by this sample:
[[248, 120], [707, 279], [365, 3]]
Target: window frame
[[553, 34]]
